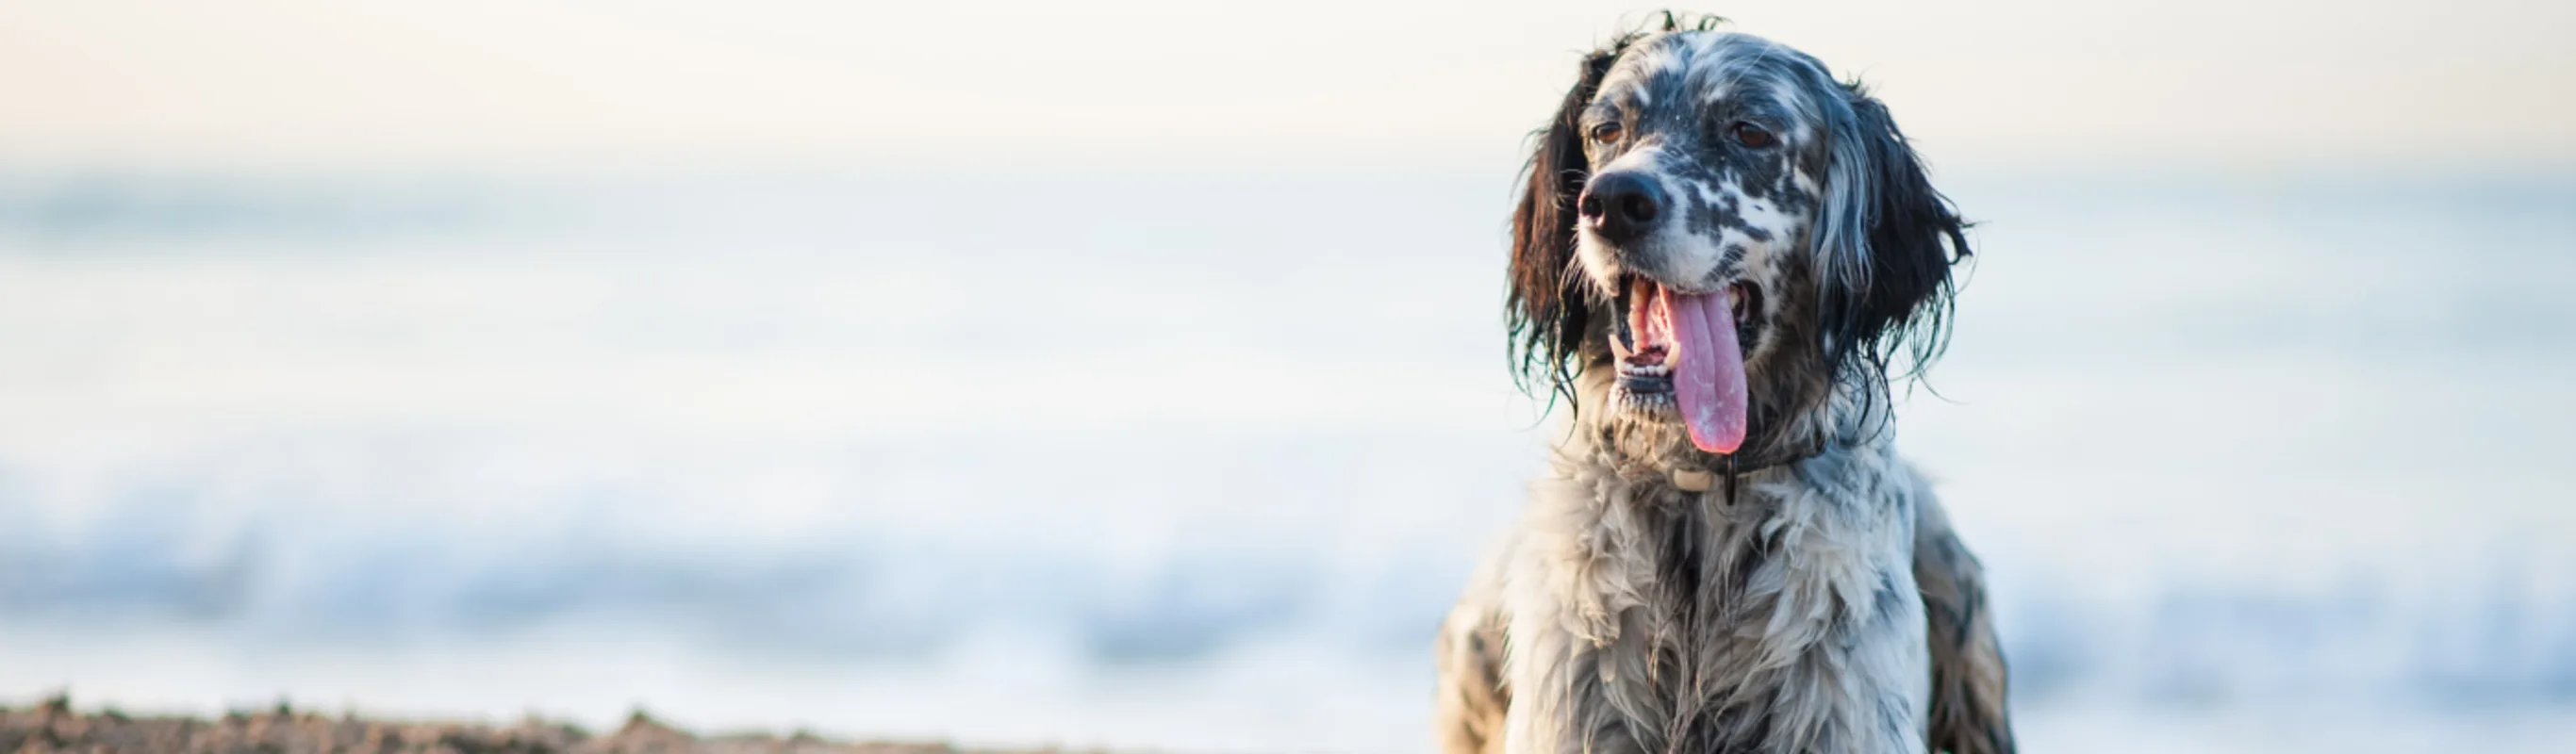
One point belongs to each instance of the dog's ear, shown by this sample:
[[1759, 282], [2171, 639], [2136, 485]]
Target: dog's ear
[[1545, 307], [1885, 270]]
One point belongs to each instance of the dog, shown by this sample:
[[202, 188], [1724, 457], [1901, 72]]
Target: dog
[[1722, 260]]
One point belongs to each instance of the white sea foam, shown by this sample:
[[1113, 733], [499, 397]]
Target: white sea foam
[[1197, 462]]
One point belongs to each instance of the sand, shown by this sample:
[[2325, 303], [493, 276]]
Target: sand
[[53, 726]]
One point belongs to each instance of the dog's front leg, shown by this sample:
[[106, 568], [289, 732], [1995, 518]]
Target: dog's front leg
[[1857, 675], [1885, 677]]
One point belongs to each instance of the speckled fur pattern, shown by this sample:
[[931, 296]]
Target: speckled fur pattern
[[1816, 602]]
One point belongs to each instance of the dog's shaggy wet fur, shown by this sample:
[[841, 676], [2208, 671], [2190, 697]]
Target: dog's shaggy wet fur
[[1804, 593]]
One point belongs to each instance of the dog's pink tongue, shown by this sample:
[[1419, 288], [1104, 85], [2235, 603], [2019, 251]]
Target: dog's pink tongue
[[1708, 370]]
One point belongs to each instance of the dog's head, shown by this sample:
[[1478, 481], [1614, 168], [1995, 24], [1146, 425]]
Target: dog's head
[[1719, 238]]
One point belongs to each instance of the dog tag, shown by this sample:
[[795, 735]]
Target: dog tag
[[1694, 480]]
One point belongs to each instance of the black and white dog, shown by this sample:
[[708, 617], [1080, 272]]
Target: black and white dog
[[1720, 254]]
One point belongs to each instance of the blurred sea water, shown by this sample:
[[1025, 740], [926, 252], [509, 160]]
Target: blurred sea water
[[1196, 461]]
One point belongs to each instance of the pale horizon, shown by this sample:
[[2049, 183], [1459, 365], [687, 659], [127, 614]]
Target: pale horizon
[[1135, 375], [297, 84]]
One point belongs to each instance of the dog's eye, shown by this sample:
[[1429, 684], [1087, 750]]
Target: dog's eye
[[1751, 135], [1605, 132]]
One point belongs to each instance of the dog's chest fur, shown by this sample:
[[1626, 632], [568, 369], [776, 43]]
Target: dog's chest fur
[[1785, 617]]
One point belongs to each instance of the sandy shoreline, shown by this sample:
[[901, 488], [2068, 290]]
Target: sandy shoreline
[[52, 725]]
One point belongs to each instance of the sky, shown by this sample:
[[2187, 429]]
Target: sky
[[423, 412], [1003, 84]]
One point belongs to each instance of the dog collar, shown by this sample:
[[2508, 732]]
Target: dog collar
[[1694, 480], [1689, 479]]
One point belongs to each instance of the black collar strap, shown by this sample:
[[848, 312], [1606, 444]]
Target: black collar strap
[[1690, 479]]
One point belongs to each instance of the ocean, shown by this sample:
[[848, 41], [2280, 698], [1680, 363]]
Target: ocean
[[1195, 461]]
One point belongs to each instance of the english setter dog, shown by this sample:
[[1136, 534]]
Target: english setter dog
[[1720, 253]]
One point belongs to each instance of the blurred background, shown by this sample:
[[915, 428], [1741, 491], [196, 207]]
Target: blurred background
[[1131, 374]]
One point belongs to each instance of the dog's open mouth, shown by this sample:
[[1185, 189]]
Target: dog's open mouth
[[1683, 351]]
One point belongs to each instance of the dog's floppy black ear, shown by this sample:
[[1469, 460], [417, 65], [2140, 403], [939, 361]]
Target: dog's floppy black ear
[[1886, 272], [1545, 307]]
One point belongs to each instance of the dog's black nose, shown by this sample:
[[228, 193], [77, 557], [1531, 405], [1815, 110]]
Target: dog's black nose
[[1621, 206]]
